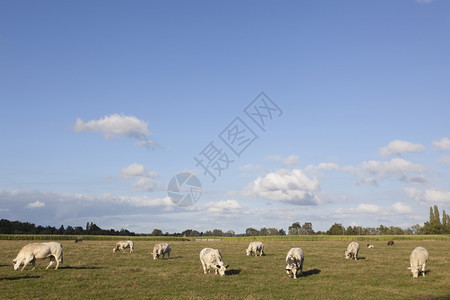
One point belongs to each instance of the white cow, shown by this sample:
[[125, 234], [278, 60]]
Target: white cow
[[294, 262], [212, 259], [370, 246], [418, 260], [123, 245], [161, 249], [352, 251], [30, 252], [255, 247]]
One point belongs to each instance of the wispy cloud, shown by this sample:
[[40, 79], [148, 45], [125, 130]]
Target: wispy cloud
[[116, 125], [424, 1], [397, 147], [144, 179], [445, 160], [442, 144], [397, 166], [287, 161], [428, 196], [36, 204], [364, 208]]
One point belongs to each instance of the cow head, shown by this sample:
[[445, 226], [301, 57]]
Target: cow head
[[347, 254], [415, 271], [291, 267], [222, 268], [17, 263]]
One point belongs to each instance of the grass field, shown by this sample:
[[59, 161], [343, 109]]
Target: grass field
[[92, 271]]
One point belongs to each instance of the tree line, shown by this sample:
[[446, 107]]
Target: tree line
[[433, 226], [17, 227]]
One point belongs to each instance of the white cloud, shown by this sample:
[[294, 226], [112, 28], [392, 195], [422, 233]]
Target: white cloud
[[223, 207], [398, 147], [331, 167], [133, 170], [396, 166], [363, 208], [36, 204], [287, 161], [146, 184], [428, 196], [442, 144], [250, 167], [144, 180], [445, 160], [285, 186], [116, 125], [401, 208]]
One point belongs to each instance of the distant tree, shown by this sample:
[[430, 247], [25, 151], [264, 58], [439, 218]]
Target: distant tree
[[349, 231], [336, 229], [294, 229], [307, 229], [281, 232], [229, 233], [433, 226], [395, 231], [382, 229], [251, 232], [272, 231], [157, 232], [263, 231], [445, 222], [61, 230], [195, 233], [217, 232]]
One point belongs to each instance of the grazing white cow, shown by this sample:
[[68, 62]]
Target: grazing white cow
[[418, 261], [161, 249], [255, 247], [31, 252], [352, 251], [370, 246], [123, 245], [212, 259], [294, 262]]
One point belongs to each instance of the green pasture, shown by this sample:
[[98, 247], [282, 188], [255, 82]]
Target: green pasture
[[92, 271]]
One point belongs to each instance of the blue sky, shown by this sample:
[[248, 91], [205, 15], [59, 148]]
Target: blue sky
[[104, 102]]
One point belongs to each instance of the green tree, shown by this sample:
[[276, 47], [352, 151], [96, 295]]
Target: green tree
[[251, 231], [445, 222], [437, 220], [336, 229], [294, 229], [157, 232]]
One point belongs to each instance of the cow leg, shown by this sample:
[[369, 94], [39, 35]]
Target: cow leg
[[423, 270], [204, 267], [52, 260], [27, 260]]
